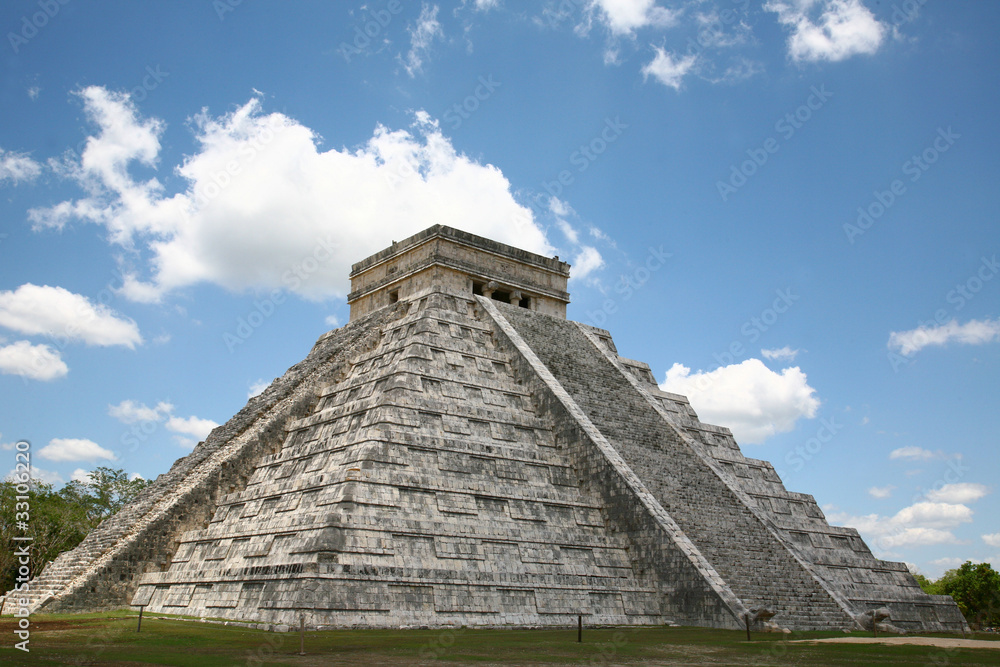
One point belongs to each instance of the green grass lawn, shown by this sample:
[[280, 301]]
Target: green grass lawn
[[111, 639]]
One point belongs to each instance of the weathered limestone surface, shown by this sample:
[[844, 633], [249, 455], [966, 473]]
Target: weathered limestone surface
[[104, 570], [451, 458], [836, 558], [426, 488], [691, 587], [447, 258], [749, 557], [836, 554]]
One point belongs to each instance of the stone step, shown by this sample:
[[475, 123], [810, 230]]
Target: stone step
[[747, 556]]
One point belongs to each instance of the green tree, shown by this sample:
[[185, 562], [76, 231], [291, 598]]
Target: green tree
[[58, 520], [54, 524], [926, 584], [976, 590], [104, 492]]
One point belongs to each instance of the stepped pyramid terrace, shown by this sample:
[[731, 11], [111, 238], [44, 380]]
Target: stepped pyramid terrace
[[461, 453]]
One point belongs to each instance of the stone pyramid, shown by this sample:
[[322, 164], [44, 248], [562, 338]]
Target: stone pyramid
[[460, 453]]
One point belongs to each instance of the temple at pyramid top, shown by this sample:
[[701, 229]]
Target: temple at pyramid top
[[450, 258]]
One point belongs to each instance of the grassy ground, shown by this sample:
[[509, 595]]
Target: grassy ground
[[111, 639]]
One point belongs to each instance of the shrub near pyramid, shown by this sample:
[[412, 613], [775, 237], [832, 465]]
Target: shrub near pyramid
[[461, 453]]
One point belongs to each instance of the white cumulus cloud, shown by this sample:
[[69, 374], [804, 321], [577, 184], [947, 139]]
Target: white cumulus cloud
[[948, 563], [914, 453], [39, 475], [921, 524], [17, 167], [780, 354], [668, 69], [47, 476], [917, 536], [934, 514], [64, 316], [881, 491], [34, 362], [962, 492], [622, 17], [828, 30], [973, 332], [194, 426], [993, 540], [130, 412], [74, 449], [586, 261], [749, 398], [264, 208], [257, 388]]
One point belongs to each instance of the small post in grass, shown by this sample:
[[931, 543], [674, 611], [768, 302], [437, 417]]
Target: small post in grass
[[579, 629], [302, 634], [142, 598], [746, 619]]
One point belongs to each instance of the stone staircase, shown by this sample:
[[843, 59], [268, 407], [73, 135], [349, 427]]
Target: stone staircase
[[753, 562], [103, 571], [71, 567]]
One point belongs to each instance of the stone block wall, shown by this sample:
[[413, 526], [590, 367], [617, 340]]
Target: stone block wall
[[442, 257], [426, 488], [752, 561], [837, 556], [692, 592], [103, 571]]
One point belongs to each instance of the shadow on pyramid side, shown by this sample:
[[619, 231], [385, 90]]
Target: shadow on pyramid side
[[461, 454]]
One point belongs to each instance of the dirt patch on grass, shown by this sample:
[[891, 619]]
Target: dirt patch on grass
[[7, 625], [939, 642]]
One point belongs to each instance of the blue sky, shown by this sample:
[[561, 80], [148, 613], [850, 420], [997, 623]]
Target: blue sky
[[787, 208]]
